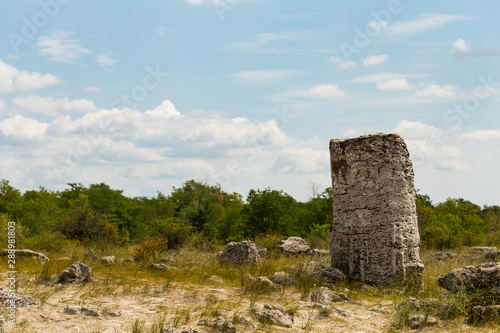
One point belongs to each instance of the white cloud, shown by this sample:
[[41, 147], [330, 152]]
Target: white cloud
[[164, 111], [264, 76], [417, 130], [394, 84], [261, 43], [377, 25], [374, 78], [461, 47], [23, 128], [326, 91], [93, 89], [13, 79], [375, 59], [421, 24], [106, 60], [52, 107], [342, 63], [59, 47], [2, 105], [435, 90], [481, 136]]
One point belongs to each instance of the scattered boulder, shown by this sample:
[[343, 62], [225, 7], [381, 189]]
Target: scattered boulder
[[264, 285], [26, 253], [221, 324], [295, 245], [162, 267], [78, 272], [420, 321], [483, 249], [282, 278], [107, 260], [72, 310], [116, 313], [248, 279], [480, 314], [167, 261], [90, 254], [445, 255], [263, 252], [20, 300], [485, 276], [493, 255], [274, 315], [327, 276], [380, 309], [375, 235], [312, 305], [426, 304], [88, 310], [326, 296], [312, 266], [215, 280], [240, 253]]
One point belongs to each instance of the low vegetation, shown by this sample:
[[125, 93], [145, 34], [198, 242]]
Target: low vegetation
[[189, 226]]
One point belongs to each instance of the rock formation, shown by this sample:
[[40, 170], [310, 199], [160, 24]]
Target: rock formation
[[295, 245], [375, 232], [241, 253]]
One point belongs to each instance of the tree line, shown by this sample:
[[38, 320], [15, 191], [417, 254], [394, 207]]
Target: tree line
[[199, 214]]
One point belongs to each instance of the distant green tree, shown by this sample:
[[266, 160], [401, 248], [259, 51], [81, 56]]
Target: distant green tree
[[271, 211], [211, 211]]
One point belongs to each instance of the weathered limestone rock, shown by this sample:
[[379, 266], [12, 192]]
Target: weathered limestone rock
[[26, 253], [241, 253], [472, 279], [326, 296], [326, 276], [72, 310], [264, 285], [107, 260], [375, 233], [480, 314], [419, 321], [295, 245], [77, 272], [274, 315], [20, 300], [282, 278]]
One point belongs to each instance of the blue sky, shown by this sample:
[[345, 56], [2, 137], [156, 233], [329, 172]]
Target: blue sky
[[246, 93]]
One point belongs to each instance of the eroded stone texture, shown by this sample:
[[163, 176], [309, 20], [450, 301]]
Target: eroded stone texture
[[375, 232]]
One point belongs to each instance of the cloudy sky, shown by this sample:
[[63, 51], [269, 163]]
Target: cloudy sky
[[143, 95]]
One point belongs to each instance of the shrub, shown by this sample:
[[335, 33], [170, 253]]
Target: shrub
[[150, 249], [177, 232]]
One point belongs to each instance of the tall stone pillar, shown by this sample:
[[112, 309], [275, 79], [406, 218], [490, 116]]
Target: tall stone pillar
[[375, 230]]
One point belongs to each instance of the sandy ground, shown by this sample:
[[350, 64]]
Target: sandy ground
[[179, 300], [185, 304]]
